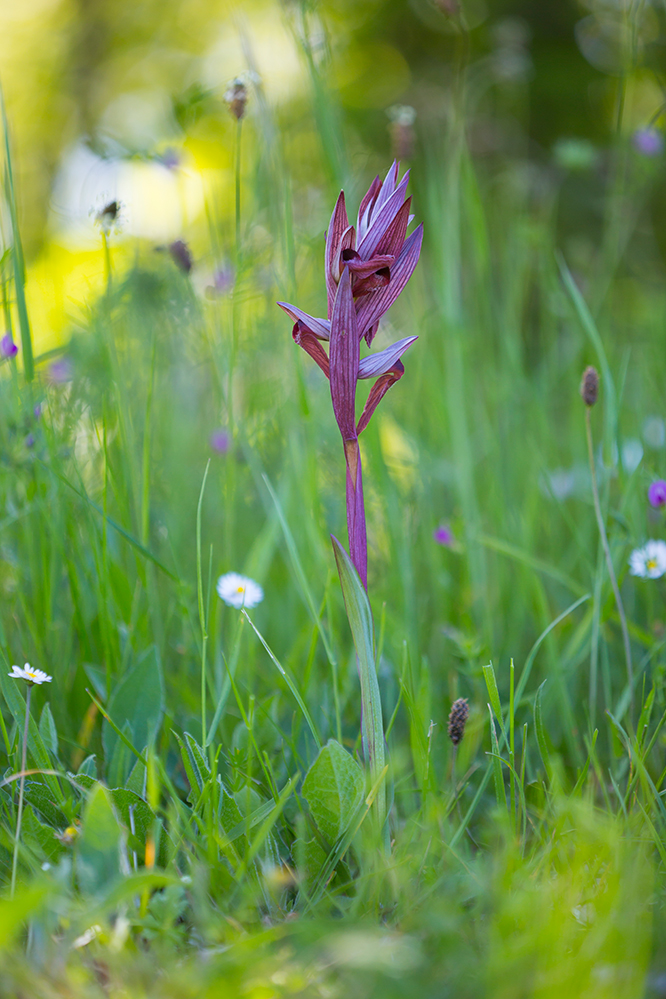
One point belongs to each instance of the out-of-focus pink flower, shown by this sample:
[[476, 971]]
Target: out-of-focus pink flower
[[7, 346], [223, 282], [657, 493], [443, 535], [648, 141], [219, 441], [60, 371]]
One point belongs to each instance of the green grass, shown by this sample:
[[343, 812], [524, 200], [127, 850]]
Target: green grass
[[530, 864]]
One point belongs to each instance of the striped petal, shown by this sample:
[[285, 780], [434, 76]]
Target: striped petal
[[382, 362], [321, 328]]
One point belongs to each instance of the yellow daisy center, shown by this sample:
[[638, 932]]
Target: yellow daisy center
[[31, 674], [241, 589], [651, 563]]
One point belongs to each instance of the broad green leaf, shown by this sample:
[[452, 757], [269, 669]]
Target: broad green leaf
[[117, 766], [39, 795], [138, 700], [89, 766], [40, 837], [14, 910], [333, 788], [100, 854], [310, 859], [360, 622]]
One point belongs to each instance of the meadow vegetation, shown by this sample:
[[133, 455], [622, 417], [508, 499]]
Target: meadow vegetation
[[196, 815]]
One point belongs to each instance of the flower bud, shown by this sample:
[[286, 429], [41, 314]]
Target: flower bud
[[589, 387]]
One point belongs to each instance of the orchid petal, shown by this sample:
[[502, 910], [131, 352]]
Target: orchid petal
[[382, 218], [366, 206], [338, 224], [377, 393], [393, 239], [344, 358], [388, 186], [321, 328], [373, 307], [364, 268], [382, 362], [310, 344]]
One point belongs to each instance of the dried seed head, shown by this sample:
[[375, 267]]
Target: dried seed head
[[457, 720], [181, 256], [589, 387], [236, 98]]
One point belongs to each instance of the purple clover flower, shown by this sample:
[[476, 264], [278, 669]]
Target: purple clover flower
[[7, 346], [443, 535], [366, 267], [60, 371], [648, 141], [223, 282], [219, 441], [657, 493]]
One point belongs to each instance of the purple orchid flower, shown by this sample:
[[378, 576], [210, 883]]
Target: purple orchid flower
[[366, 267]]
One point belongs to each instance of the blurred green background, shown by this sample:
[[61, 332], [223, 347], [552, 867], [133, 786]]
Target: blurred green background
[[100, 95]]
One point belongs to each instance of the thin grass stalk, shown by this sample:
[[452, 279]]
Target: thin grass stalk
[[237, 169], [202, 611], [19, 819], [609, 561]]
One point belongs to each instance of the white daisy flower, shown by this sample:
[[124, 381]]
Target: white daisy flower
[[649, 562], [239, 591], [29, 674]]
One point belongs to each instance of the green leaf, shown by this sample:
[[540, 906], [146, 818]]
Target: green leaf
[[360, 622], [541, 732], [139, 701], [48, 731], [333, 788], [89, 766], [196, 765], [41, 838], [39, 795], [493, 692], [100, 851], [500, 790], [14, 910]]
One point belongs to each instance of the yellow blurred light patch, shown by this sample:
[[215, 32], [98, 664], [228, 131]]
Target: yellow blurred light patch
[[58, 282], [400, 455]]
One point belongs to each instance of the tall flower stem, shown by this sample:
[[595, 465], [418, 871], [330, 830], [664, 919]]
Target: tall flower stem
[[239, 129], [24, 757], [609, 560]]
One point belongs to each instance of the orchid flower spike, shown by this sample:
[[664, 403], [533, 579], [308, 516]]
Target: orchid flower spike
[[365, 267]]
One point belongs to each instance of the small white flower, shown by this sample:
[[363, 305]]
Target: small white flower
[[29, 674], [87, 936], [239, 591], [649, 562]]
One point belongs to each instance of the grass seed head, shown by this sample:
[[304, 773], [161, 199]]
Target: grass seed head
[[589, 387], [457, 720]]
